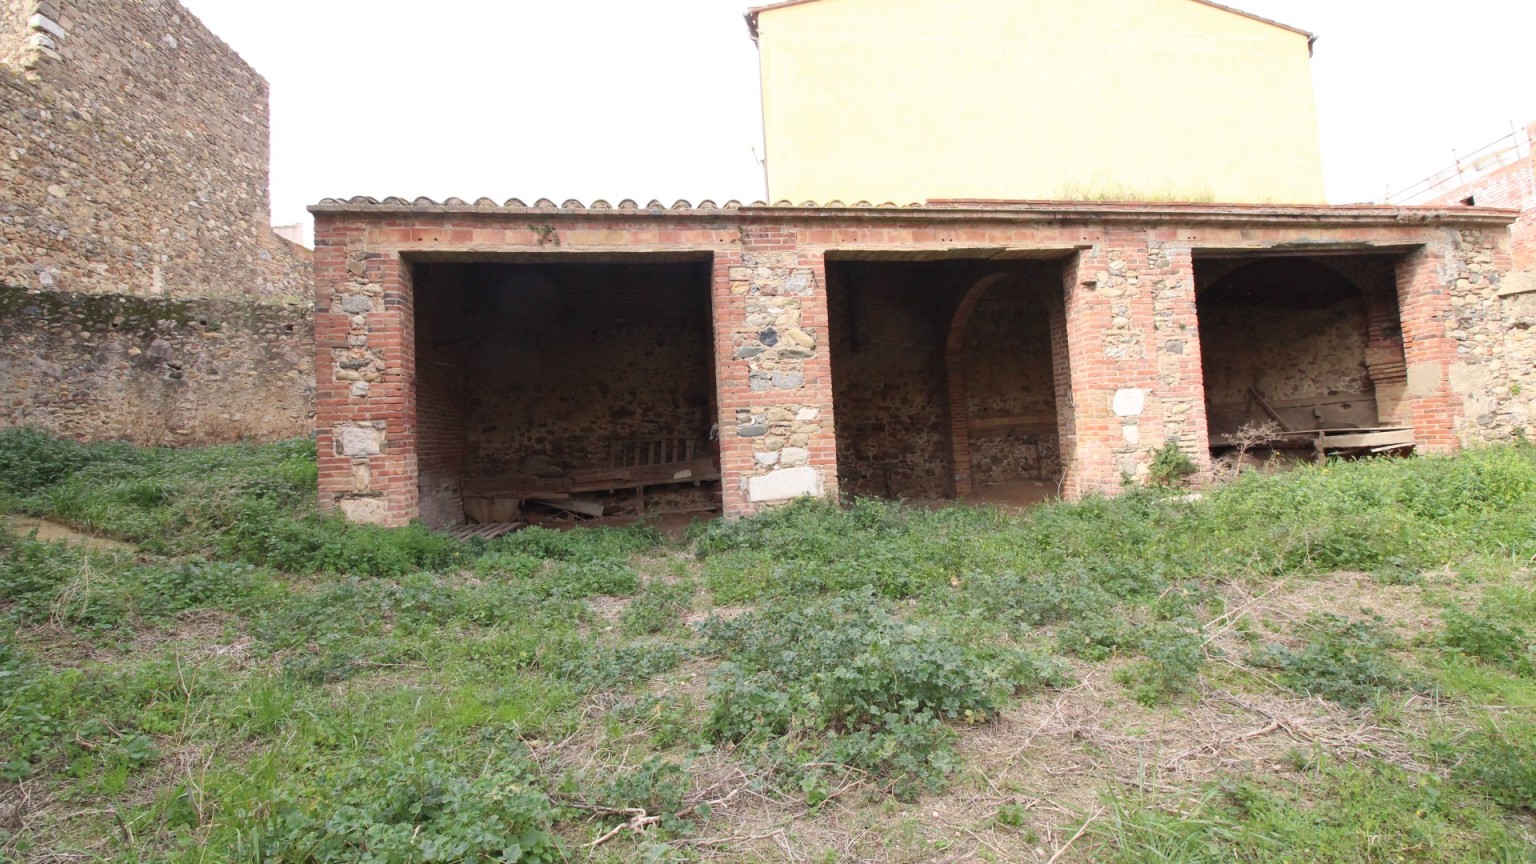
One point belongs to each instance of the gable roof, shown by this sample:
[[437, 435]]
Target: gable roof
[[1311, 37]]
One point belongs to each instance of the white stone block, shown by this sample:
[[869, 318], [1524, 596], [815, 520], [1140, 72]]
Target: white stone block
[[806, 415], [1132, 434], [360, 441], [364, 511], [784, 485], [1129, 402], [794, 457]]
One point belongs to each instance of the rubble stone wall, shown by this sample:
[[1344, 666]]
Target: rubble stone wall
[[153, 371], [133, 157], [1124, 330], [888, 328], [1010, 388]]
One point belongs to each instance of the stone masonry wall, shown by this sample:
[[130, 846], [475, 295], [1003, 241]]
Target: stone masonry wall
[[133, 158], [1285, 353], [889, 322], [153, 371], [1009, 377], [554, 377], [15, 32], [1125, 345], [1494, 369]]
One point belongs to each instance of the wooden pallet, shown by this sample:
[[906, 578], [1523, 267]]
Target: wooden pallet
[[487, 531]]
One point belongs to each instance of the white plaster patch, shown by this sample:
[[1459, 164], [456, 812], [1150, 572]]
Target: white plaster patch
[[1425, 379], [1129, 402], [360, 440], [784, 485]]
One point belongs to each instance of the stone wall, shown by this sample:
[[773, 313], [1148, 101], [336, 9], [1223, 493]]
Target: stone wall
[[889, 322], [15, 32], [133, 158], [155, 371], [1010, 387], [1285, 353], [555, 374], [1493, 372], [1124, 333]]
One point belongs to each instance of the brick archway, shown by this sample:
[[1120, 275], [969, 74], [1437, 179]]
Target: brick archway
[[959, 397]]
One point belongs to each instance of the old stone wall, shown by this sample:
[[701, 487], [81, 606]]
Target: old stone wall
[[133, 158], [1494, 332], [15, 32], [1291, 355], [1010, 387], [555, 374], [155, 371], [1124, 331], [889, 322]]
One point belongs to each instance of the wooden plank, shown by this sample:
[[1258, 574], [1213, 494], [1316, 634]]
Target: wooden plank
[[571, 505], [1264, 404], [1369, 439]]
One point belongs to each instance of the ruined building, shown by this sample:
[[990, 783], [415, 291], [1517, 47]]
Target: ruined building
[[143, 295]]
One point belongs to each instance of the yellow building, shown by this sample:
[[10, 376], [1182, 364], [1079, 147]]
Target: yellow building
[[914, 100]]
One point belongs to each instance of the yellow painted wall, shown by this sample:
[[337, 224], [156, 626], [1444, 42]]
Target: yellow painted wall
[[909, 100]]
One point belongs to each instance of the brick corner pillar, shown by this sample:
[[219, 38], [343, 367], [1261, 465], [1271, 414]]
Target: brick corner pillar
[[1133, 361], [773, 371], [364, 379], [1425, 303]]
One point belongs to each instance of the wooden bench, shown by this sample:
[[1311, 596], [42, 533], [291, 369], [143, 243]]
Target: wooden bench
[[633, 465]]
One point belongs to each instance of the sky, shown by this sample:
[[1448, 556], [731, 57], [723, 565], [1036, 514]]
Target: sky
[[659, 99]]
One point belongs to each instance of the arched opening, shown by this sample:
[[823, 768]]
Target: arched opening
[[1309, 349], [945, 376]]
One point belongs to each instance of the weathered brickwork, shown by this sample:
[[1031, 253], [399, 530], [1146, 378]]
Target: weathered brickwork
[[133, 157], [153, 371], [1124, 333]]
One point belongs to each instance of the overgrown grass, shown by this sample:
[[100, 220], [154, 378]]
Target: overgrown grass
[[260, 682]]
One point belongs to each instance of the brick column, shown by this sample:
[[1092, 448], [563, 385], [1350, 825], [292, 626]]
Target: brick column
[[1133, 347], [364, 379], [773, 372], [1424, 300]]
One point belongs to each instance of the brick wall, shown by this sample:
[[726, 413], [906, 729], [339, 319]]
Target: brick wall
[[152, 371], [133, 158], [1124, 332], [442, 398]]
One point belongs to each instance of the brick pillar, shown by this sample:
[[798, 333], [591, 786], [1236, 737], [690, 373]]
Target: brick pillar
[[958, 394], [1133, 347], [773, 372], [364, 379], [1424, 300]]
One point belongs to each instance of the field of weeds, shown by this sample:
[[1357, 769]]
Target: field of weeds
[[1333, 664]]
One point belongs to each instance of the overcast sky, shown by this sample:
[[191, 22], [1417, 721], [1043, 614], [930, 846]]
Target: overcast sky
[[659, 98]]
